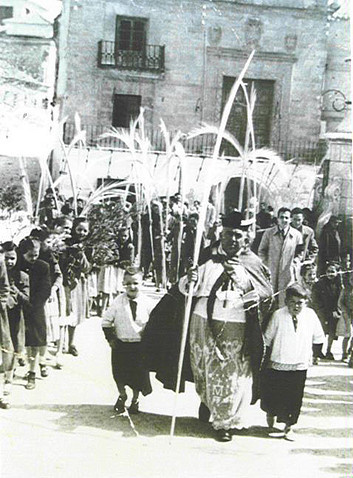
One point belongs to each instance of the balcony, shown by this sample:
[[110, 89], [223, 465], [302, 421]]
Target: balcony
[[303, 151], [151, 58]]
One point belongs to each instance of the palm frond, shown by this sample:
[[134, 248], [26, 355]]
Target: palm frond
[[166, 135], [122, 135], [26, 187], [212, 129], [77, 120]]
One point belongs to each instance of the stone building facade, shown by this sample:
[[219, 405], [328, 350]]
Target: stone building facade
[[27, 86], [184, 57]]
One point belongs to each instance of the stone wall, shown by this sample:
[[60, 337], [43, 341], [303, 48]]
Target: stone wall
[[203, 42], [337, 87], [339, 155]]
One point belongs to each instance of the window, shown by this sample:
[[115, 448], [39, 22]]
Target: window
[[262, 115], [125, 109], [131, 33], [5, 12]]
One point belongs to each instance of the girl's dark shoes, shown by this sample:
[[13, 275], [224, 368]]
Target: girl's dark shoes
[[73, 350], [43, 370], [31, 381], [4, 405]]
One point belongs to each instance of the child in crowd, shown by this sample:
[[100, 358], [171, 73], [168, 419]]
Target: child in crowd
[[308, 277], [55, 305], [18, 297], [75, 266], [126, 255], [34, 312], [325, 295], [289, 337], [123, 325]]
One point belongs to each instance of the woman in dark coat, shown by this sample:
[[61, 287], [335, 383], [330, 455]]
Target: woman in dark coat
[[34, 314]]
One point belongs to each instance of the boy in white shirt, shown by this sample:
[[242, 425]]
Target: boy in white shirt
[[290, 336], [123, 325]]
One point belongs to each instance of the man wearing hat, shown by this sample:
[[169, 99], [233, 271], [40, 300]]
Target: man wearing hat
[[225, 334]]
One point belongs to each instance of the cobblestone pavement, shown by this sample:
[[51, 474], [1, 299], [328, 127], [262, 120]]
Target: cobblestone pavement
[[66, 427]]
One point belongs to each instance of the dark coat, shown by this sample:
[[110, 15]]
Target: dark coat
[[39, 292], [329, 246], [18, 299], [162, 337], [325, 295]]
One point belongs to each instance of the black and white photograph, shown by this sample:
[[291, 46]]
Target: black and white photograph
[[176, 232]]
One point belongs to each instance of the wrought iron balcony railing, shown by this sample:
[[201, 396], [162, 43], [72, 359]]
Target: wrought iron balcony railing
[[304, 151], [150, 58]]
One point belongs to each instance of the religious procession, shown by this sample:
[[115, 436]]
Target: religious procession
[[217, 259], [267, 300]]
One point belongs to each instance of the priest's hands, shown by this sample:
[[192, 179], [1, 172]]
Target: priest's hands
[[193, 274]]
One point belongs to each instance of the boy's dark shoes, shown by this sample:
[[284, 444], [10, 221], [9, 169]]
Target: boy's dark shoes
[[204, 413], [134, 407], [223, 435], [43, 370], [119, 406], [4, 404], [21, 362], [329, 356]]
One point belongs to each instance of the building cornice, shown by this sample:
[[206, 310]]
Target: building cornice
[[260, 55]]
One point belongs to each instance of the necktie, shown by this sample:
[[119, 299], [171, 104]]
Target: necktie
[[133, 306], [295, 322]]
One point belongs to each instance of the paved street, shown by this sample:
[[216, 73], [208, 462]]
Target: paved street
[[66, 428]]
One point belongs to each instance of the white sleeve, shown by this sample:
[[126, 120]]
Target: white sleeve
[[109, 316], [183, 284], [270, 330], [318, 333]]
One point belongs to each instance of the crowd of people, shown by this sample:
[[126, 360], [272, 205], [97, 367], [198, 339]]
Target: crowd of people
[[266, 293]]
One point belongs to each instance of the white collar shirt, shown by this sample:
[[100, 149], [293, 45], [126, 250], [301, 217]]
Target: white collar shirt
[[119, 316], [292, 349]]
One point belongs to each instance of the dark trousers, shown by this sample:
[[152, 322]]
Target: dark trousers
[[128, 366], [282, 394]]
